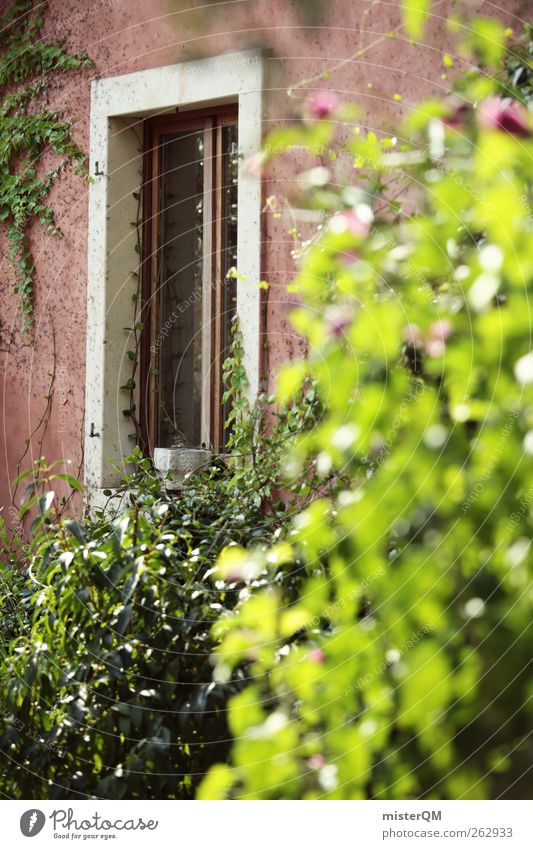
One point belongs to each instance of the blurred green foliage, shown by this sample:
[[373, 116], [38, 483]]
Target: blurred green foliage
[[402, 667]]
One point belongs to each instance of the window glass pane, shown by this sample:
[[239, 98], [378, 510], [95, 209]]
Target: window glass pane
[[229, 242], [180, 290]]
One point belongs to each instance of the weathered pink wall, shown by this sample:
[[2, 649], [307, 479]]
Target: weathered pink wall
[[127, 35]]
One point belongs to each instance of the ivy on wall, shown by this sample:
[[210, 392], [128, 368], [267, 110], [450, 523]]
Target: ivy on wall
[[26, 133]]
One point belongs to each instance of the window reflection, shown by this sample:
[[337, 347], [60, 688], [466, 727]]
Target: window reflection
[[229, 302], [180, 291], [191, 248]]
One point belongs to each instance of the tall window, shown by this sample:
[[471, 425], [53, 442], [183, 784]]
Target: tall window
[[189, 290]]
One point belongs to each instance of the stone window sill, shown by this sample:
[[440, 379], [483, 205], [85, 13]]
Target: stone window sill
[[174, 464]]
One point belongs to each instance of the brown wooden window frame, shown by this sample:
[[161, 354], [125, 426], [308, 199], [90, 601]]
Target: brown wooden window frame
[[212, 121]]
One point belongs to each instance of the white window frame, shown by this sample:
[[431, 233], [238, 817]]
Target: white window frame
[[118, 106]]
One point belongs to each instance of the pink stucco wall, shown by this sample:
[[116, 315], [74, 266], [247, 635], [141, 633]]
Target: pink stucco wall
[[127, 35]]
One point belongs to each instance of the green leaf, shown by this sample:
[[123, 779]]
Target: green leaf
[[76, 529], [415, 14], [216, 783], [72, 482]]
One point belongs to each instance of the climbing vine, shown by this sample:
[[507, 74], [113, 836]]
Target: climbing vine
[[26, 132]]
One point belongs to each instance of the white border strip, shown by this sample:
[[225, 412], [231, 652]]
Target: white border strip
[[167, 824]]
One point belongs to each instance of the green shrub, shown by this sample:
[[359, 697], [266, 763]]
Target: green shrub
[[106, 684]]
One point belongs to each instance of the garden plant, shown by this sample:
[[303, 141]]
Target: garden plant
[[340, 608]]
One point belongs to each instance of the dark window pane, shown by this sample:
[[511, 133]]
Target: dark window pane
[[180, 290], [229, 243]]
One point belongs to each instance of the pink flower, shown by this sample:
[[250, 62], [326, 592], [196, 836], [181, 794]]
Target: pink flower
[[321, 105], [348, 257], [434, 341], [496, 113], [349, 222], [253, 164], [235, 578], [439, 333], [413, 335], [316, 761], [317, 656], [441, 329], [435, 348], [456, 117], [339, 319]]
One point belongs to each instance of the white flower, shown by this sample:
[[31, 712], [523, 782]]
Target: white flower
[[474, 608], [327, 777], [482, 291], [314, 178], [523, 369], [491, 258], [345, 437], [435, 436], [518, 551], [461, 413], [528, 442]]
